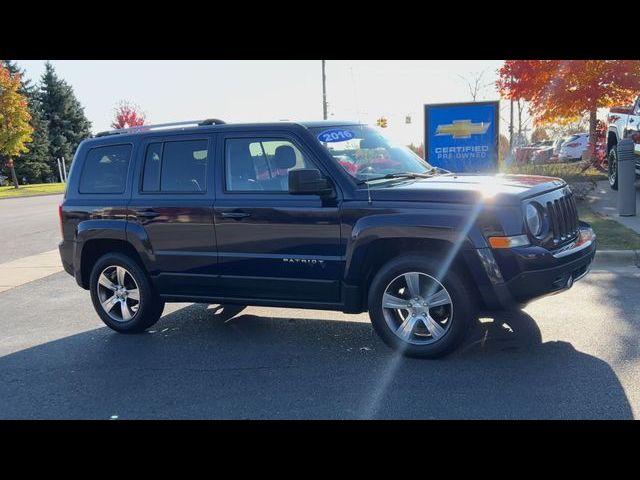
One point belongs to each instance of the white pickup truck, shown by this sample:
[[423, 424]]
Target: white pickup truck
[[623, 121]]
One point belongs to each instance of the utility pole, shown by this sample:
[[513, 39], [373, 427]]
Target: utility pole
[[324, 91]]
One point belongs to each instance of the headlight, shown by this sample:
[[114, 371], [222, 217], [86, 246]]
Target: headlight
[[534, 219]]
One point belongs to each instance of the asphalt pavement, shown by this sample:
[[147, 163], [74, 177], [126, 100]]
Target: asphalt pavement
[[28, 226], [573, 355], [569, 356]]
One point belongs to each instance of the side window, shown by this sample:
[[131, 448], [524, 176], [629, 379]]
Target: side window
[[152, 163], [174, 167], [105, 169], [261, 164]]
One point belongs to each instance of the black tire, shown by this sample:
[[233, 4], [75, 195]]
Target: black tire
[[225, 312], [613, 168], [149, 307], [463, 307]]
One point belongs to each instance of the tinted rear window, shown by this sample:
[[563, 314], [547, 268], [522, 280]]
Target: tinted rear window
[[176, 167], [184, 166], [105, 169]]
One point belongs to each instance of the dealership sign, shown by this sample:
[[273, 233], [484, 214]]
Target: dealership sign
[[462, 137]]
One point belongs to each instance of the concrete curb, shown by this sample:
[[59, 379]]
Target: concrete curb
[[626, 258]]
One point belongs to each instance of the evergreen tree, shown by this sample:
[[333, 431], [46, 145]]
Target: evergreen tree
[[64, 116], [33, 165]]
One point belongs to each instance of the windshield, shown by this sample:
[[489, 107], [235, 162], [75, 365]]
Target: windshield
[[365, 154]]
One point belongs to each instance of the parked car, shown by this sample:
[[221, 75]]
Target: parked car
[[557, 144], [203, 214], [524, 154], [573, 148], [543, 152], [623, 122]]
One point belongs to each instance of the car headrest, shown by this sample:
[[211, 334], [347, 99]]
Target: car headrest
[[285, 156], [240, 160]]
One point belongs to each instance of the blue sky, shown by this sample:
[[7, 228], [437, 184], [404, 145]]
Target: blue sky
[[264, 90]]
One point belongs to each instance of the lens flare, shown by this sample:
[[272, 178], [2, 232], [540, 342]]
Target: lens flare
[[376, 398]]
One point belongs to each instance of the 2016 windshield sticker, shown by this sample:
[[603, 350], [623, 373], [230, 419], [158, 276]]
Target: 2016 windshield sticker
[[336, 135]]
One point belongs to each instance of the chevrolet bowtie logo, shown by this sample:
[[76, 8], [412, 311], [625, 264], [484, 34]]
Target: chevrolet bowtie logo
[[463, 128]]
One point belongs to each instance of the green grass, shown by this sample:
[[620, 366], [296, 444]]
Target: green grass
[[610, 234], [569, 172], [36, 189]]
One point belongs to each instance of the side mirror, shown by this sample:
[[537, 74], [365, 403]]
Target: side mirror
[[308, 181]]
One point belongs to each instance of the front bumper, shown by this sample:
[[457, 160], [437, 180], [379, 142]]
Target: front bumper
[[532, 272]]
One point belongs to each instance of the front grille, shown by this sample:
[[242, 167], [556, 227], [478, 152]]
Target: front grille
[[563, 218]]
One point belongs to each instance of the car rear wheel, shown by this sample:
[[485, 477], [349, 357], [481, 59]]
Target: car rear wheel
[[418, 309], [613, 168], [122, 294]]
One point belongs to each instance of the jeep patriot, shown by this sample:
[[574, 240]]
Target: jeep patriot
[[322, 215]]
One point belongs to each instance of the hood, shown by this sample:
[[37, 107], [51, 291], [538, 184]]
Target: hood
[[466, 188]]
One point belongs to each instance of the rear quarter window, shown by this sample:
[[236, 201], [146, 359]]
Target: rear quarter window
[[105, 169]]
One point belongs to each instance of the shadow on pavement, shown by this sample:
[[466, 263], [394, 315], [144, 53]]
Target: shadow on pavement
[[194, 365]]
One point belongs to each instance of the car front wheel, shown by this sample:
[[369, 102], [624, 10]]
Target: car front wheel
[[613, 168], [418, 309], [122, 294]]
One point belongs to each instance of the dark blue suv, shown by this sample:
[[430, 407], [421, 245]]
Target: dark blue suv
[[321, 215]]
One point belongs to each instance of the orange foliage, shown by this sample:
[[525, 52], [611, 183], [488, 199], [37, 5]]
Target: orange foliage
[[15, 130], [559, 91]]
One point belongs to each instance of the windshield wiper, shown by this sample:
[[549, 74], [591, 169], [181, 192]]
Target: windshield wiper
[[395, 175], [441, 171]]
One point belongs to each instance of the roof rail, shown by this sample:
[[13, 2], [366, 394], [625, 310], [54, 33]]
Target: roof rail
[[145, 128], [212, 121]]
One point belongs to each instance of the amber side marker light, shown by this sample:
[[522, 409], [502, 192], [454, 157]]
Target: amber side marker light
[[509, 242]]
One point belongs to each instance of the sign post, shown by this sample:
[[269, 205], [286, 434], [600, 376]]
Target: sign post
[[462, 137]]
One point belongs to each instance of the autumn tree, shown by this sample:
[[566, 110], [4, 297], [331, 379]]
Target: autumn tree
[[561, 91], [15, 130], [539, 135], [127, 115], [34, 164], [26, 88]]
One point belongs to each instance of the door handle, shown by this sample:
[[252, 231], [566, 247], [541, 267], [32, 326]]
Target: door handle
[[237, 215], [147, 213]]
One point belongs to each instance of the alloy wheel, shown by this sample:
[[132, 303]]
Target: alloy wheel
[[613, 167], [118, 293], [417, 308]]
